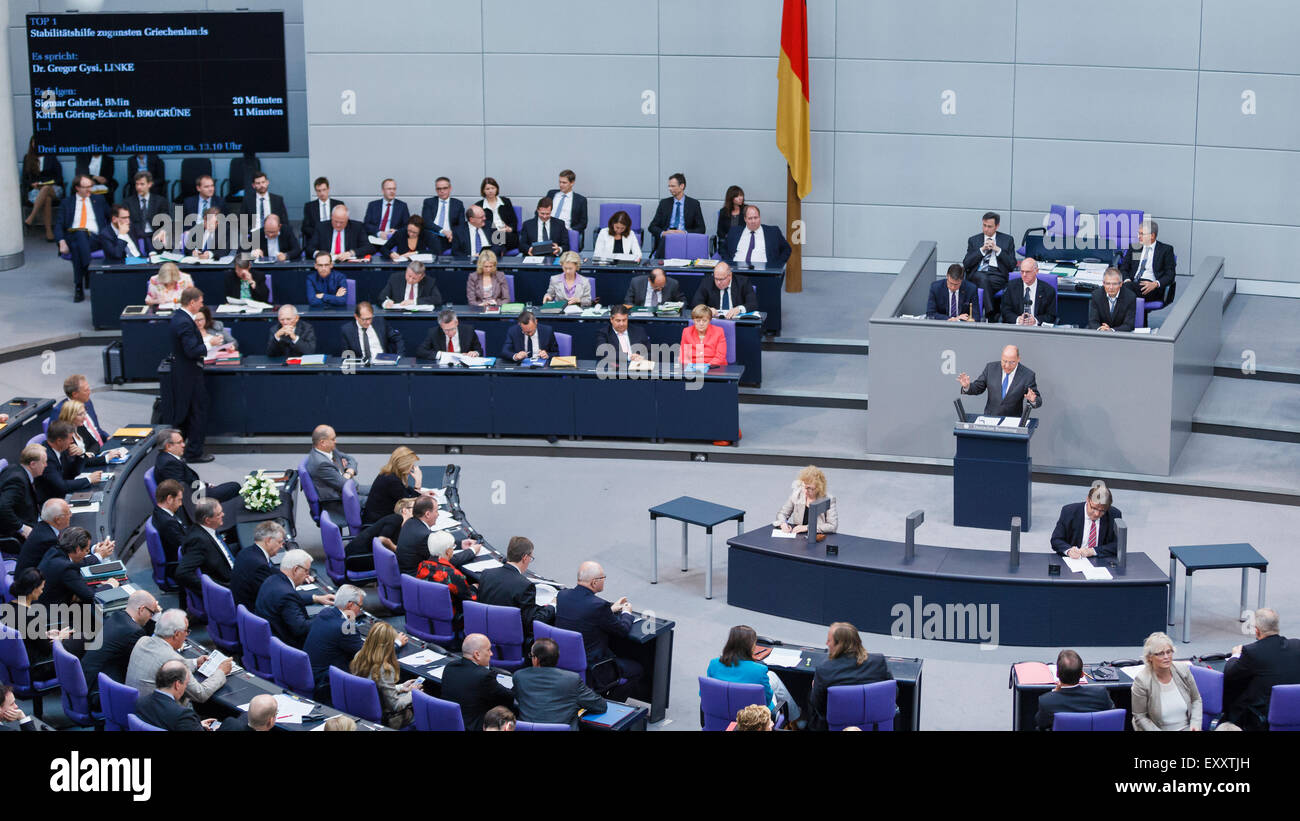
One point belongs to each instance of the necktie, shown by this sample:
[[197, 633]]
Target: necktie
[[143, 206], [546, 235], [261, 211], [324, 214], [365, 342], [952, 303], [654, 298], [1092, 534], [203, 207], [85, 204], [383, 223], [532, 345], [749, 255], [90, 426], [1112, 306], [559, 207], [677, 215], [1029, 301], [451, 344], [724, 301], [338, 242], [1006, 383], [442, 213], [410, 292], [475, 246]]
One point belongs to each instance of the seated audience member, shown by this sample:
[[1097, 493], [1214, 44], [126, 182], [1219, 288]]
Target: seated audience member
[[340, 724], [736, 664], [808, 487], [450, 336], [151, 653], [848, 662], [499, 720], [754, 718], [438, 568], [676, 214], [33, 623], [413, 539], [442, 213], [170, 465], [242, 284], [99, 167], [570, 206], [122, 629], [953, 298], [541, 230], [1253, 671], [164, 706], [653, 289], [471, 683], [367, 336], [329, 468], [755, 245], [620, 338], [19, 508], [990, 259], [61, 467], [260, 717], [1149, 272], [1086, 529], [293, 337], [474, 236], [170, 519], [502, 222], [548, 695], [727, 295], [377, 661], [42, 187], [487, 286], [325, 286], [12, 718], [1030, 301], [56, 515], [77, 387], [386, 214], [277, 243], [617, 240], [529, 339], [204, 198], [398, 479], [342, 238], [166, 286], [204, 550], [118, 242], [1071, 694], [79, 230], [143, 204], [208, 241], [567, 286], [316, 211], [360, 548], [284, 606], [216, 338], [334, 638], [702, 341], [582, 610], [731, 214], [1165, 696], [253, 563], [509, 586], [410, 240], [410, 288], [1112, 307]]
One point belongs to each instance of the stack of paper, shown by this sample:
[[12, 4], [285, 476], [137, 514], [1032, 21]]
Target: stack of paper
[[545, 595], [989, 420], [423, 658], [677, 263], [783, 657], [481, 565]]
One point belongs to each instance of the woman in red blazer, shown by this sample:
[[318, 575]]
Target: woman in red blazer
[[703, 341]]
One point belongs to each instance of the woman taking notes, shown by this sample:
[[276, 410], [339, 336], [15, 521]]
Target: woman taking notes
[[617, 241], [402, 245], [487, 285], [736, 664], [1165, 696], [809, 487], [568, 287], [702, 341]]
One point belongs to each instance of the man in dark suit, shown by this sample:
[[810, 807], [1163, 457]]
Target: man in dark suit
[[77, 387], [1151, 271], [121, 630], [163, 708], [386, 215], [154, 166], [253, 564], [1070, 696], [756, 245], [726, 293], [60, 476], [953, 298], [189, 390], [471, 683], [342, 238], [284, 606], [170, 520], [11, 712], [582, 610], [848, 663], [1009, 385], [260, 717], [56, 515], [990, 259], [79, 229], [542, 229], [441, 214], [204, 550], [413, 538], [142, 204], [204, 197], [330, 467], [100, 168], [19, 509], [1112, 307], [1254, 669], [472, 237], [549, 695], [334, 638], [570, 206], [317, 210], [1029, 301], [1086, 529], [653, 289], [676, 214], [509, 586], [61, 568], [170, 464], [451, 336], [260, 203], [276, 241], [293, 337], [529, 338], [619, 340], [118, 241], [368, 335], [410, 287]]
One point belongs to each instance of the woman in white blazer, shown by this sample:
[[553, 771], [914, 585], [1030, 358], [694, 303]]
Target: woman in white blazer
[[617, 240], [569, 287], [1165, 696], [810, 486]]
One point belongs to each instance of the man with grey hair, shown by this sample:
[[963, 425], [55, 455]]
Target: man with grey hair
[[204, 550], [329, 468], [281, 603], [164, 705], [1253, 671], [294, 336], [334, 637], [1087, 529], [342, 238], [1112, 307], [406, 289], [1150, 271], [260, 717], [56, 515], [582, 610], [471, 683], [151, 652], [450, 336], [253, 564], [1009, 385]]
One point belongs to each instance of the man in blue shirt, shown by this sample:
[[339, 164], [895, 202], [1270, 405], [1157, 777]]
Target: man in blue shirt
[[326, 286]]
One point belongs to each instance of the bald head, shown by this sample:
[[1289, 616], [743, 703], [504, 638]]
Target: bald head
[[261, 712], [588, 571], [477, 648], [339, 217], [140, 606], [271, 226], [57, 513], [1010, 358]]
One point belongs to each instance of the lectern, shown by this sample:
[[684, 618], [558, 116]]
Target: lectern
[[991, 474]]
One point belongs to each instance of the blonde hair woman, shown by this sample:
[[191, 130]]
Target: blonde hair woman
[[487, 285], [84, 445], [810, 486], [568, 287], [377, 661], [165, 287], [398, 479], [1165, 696]]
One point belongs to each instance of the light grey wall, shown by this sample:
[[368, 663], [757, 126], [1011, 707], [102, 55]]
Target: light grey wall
[[288, 171], [1107, 104]]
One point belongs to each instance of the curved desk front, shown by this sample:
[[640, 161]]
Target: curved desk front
[[869, 584]]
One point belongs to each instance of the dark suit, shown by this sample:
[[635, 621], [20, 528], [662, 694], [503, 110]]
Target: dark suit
[[142, 226], [116, 249], [311, 218], [154, 165], [252, 567], [398, 214], [171, 530], [81, 243], [1085, 698], [530, 232], [1013, 302], [1248, 681], [117, 639], [774, 245], [436, 341], [508, 217], [285, 347], [59, 478], [937, 304], [577, 213], [202, 553], [398, 243], [692, 220], [390, 338], [257, 288], [549, 695], [1013, 403], [581, 610], [842, 671], [284, 608], [329, 643], [1163, 267], [191, 205], [289, 244], [742, 293], [455, 216], [995, 278], [354, 238], [1072, 531], [38, 543], [235, 724], [63, 579], [189, 391], [515, 340], [426, 290], [169, 467], [461, 245], [248, 205], [475, 689], [81, 165], [18, 505], [636, 291], [161, 710], [412, 545], [507, 587], [636, 336], [1122, 318]]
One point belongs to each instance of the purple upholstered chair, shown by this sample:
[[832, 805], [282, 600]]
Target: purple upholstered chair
[[76, 695], [564, 344], [162, 569], [223, 619], [389, 577], [117, 701], [866, 706], [16, 670], [502, 625], [335, 558], [728, 327], [1284, 708], [539, 727], [1109, 721], [573, 654], [309, 490], [291, 668], [1210, 685], [138, 725], [435, 715], [721, 700], [429, 613], [355, 695], [255, 638]]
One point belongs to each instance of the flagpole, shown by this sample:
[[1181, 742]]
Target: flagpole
[[793, 215]]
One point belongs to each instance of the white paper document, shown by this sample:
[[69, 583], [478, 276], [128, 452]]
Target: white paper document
[[677, 263], [481, 565], [783, 657], [103, 477], [1096, 573], [214, 661], [1009, 422], [778, 533], [423, 658], [1077, 565], [545, 595], [288, 710], [989, 420]]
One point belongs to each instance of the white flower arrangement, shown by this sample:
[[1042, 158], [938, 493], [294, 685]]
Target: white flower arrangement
[[259, 493]]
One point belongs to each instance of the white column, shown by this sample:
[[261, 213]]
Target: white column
[[11, 229]]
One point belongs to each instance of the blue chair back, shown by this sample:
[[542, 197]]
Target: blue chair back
[[1118, 226], [117, 701], [1110, 721], [1284, 708], [564, 343], [429, 613], [389, 576], [192, 602], [721, 700], [38, 439], [866, 706], [434, 715], [573, 654], [76, 695], [270, 295], [223, 620], [150, 484], [675, 246], [335, 558], [351, 506], [1140, 313], [136, 724], [45, 425], [4, 463], [291, 668], [510, 285], [609, 209], [1210, 684], [157, 558], [728, 327], [355, 695], [309, 490], [591, 285], [482, 340], [504, 626], [575, 240], [255, 639], [1062, 220], [352, 292], [540, 727]]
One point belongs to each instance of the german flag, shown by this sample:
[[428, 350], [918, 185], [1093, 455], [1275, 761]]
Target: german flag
[[793, 132]]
